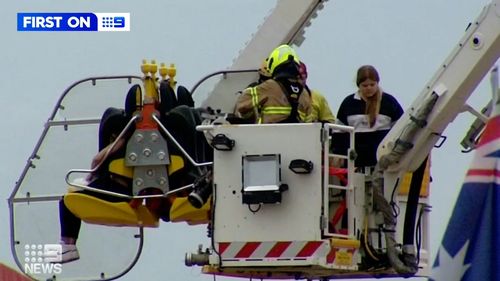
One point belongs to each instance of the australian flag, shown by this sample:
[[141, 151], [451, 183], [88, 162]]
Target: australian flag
[[470, 249]]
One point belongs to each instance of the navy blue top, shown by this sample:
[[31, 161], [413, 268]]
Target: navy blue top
[[352, 113]]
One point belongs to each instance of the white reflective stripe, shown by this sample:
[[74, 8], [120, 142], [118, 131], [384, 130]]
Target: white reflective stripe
[[361, 124], [263, 249], [293, 249], [233, 249]]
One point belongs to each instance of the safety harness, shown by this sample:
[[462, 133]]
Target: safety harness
[[292, 91]]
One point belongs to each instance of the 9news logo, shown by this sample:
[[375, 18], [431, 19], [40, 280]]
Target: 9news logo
[[113, 22], [42, 259], [73, 21]]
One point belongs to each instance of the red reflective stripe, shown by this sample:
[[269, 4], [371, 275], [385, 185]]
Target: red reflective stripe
[[278, 249], [490, 132], [247, 250], [484, 172], [223, 246], [309, 249], [339, 213], [331, 256]]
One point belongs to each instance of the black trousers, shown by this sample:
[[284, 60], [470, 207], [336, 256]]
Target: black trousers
[[70, 224]]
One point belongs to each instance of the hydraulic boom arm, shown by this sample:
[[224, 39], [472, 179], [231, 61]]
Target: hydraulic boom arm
[[285, 25], [446, 94]]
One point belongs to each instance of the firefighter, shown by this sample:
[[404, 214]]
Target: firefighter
[[281, 99], [321, 111]]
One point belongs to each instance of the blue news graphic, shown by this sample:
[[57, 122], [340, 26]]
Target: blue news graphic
[[73, 22], [56, 22]]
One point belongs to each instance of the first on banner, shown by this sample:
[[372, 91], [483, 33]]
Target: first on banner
[[73, 21]]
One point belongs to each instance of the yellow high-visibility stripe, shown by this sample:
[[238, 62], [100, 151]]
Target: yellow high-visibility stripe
[[278, 107], [255, 103], [255, 96], [272, 110], [304, 117], [277, 112]]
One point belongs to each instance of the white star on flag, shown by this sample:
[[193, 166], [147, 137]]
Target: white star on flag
[[455, 267]]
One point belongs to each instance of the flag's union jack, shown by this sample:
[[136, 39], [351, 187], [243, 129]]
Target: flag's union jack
[[470, 248]]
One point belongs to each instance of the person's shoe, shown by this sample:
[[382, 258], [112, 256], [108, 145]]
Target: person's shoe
[[69, 253]]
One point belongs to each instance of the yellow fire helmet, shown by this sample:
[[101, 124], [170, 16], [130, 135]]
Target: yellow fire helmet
[[263, 70], [281, 55]]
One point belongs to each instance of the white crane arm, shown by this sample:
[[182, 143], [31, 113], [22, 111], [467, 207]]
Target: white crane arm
[[453, 83], [284, 25]]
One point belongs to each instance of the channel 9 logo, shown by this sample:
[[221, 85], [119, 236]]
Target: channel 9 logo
[[113, 22], [42, 258], [73, 21]]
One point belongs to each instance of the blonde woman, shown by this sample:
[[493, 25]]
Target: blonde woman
[[371, 112]]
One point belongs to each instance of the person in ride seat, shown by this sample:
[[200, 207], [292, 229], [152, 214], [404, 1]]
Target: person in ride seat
[[281, 99], [101, 179], [113, 121]]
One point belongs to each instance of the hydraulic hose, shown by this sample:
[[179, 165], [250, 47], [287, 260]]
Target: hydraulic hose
[[412, 204], [406, 264]]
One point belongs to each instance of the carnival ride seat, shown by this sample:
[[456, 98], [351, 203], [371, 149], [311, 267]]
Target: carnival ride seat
[[94, 210], [180, 119], [181, 210]]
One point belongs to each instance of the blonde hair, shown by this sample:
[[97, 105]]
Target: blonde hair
[[368, 72]]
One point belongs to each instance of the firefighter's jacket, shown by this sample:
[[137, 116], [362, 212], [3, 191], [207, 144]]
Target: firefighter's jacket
[[320, 109], [268, 103]]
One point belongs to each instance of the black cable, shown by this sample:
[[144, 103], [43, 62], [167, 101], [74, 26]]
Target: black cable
[[418, 233], [212, 226], [412, 203], [395, 207]]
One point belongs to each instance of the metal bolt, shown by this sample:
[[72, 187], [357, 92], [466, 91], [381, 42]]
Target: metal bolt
[[150, 172], [139, 182], [139, 137], [162, 181], [154, 137], [146, 152], [132, 156], [161, 155]]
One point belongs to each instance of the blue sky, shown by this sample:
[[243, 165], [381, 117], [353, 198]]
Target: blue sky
[[406, 40]]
